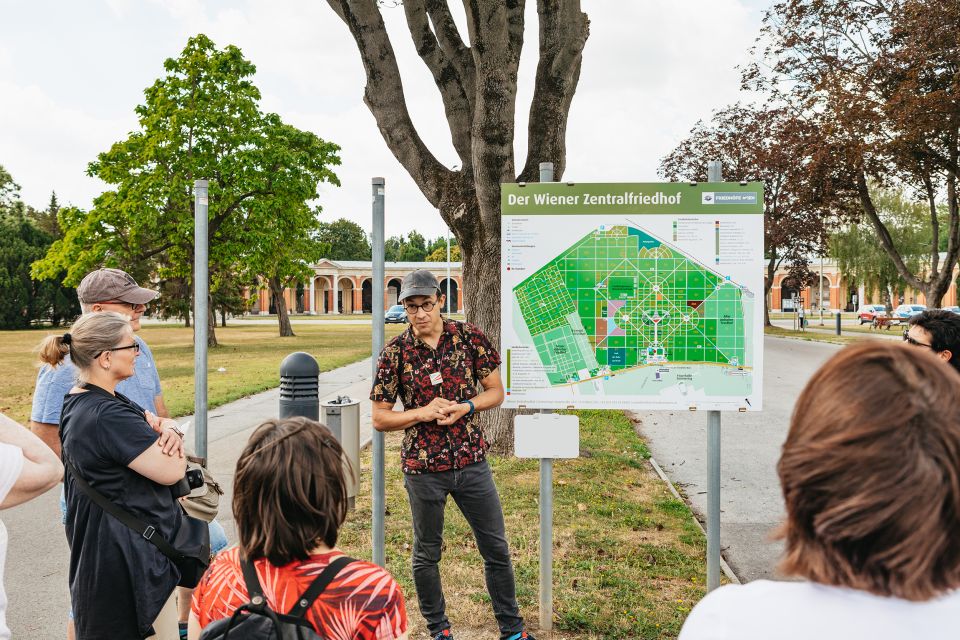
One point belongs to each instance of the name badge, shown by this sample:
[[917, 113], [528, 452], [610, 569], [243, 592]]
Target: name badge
[[436, 378]]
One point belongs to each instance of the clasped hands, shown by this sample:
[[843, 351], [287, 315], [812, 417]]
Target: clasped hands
[[444, 411], [170, 441]]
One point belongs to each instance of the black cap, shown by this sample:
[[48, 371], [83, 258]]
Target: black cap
[[418, 283]]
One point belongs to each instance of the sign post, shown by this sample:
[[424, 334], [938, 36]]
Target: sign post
[[379, 490]]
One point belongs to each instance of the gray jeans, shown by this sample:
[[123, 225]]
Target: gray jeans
[[473, 490]]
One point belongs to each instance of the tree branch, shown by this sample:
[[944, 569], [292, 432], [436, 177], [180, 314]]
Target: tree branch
[[448, 36], [564, 30], [886, 241], [384, 97], [456, 103]]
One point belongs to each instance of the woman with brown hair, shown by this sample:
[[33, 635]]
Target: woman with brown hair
[[290, 499], [120, 583], [870, 473]]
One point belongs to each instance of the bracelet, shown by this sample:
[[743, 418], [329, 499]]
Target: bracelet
[[472, 408]]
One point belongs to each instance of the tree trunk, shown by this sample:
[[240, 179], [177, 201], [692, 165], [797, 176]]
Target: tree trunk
[[211, 324], [223, 317], [186, 320], [276, 294]]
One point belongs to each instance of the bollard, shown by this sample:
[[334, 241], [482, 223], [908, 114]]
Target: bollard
[[299, 386], [342, 417], [838, 323]]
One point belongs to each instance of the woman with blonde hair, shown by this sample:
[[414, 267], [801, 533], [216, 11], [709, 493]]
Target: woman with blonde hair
[[119, 581], [870, 474]]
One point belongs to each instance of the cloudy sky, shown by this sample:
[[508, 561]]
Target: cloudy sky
[[72, 72]]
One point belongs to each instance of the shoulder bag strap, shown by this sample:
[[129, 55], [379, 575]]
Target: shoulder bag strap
[[252, 581], [147, 532], [317, 587]]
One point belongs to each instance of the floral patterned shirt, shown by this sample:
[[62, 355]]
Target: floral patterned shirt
[[463, 357]]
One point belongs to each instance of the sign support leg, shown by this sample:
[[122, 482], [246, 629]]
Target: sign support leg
[[713, 500], [546, 544]]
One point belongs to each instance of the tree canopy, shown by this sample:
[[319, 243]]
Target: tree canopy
[[879, 79], [343, 239], [202, 119]]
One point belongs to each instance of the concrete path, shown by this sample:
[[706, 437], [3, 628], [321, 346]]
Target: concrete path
[[750, 501], [37, 557]]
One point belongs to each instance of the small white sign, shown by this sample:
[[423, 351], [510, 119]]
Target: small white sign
[[546, 435]]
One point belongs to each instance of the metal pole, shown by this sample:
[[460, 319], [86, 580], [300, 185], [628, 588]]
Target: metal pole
[[714, 174], [379, 493], [201, 292], [448, 272], [820, 303], [546, 504]]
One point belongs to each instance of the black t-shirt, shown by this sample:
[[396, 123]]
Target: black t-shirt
[[119, 582]]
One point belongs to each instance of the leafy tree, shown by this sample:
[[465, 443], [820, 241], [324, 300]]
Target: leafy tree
[[201, 120], [9, 190], [478, 87], [762, 145], [346, 239], [414, 249], [857, 251], [440, 254], [880, 80], [393, 248]]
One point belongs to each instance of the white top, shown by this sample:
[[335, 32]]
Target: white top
[[11, 464], [763, 610]]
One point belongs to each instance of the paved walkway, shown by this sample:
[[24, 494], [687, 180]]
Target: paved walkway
[[37, 558]]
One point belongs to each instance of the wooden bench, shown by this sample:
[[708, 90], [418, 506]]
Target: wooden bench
[[882, 322]]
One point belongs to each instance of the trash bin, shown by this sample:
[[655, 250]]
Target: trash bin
[[342, 417], [299, 386]]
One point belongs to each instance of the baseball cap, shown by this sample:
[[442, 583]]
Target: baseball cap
[[112, 284], [418, 283]]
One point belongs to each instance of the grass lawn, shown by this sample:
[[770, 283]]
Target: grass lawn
[[628, 560], [250, 355], [817, 336]]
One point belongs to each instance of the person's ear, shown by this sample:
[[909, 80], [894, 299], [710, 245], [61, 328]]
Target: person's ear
[[96, 308], [945, 355]]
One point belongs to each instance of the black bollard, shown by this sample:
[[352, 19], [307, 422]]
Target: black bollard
[[838, 323], [299, 386]]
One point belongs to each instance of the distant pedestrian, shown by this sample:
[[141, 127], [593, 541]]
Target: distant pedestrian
[[435, 368], [937, 330], [289, 502], [27, 469], [120, 583], [870, 473]]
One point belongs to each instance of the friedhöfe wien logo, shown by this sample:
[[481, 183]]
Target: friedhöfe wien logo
[[728, 197]]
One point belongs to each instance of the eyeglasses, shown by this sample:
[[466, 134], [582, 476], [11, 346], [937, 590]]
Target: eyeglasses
[[134, 306], [135, 346], [413, 309], [912, 341]]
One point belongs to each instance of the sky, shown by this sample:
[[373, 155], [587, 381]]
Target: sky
[[71, 74]]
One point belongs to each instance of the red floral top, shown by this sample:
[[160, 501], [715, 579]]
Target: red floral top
[[464, 357], [363, 602]]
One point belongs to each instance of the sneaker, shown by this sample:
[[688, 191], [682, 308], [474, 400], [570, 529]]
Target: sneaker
[[523, 635], [183, 630], [446, 634]]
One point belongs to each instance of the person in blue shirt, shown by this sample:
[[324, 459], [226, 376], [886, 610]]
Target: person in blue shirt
[[108, 290]]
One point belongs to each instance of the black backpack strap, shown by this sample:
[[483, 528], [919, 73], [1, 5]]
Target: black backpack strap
[[317, 586], [254, 590], [146, 531]]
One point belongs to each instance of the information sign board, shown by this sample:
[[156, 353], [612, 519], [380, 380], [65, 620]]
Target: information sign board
[[633, 296]]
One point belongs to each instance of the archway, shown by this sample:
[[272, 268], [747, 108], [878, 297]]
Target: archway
[[790, 291], [366, 296], [321, 288], [393, 292], [815, 302], [452, 305], [345, 296]]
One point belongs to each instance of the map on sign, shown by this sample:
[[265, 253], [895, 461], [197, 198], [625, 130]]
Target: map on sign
[[645, 310]]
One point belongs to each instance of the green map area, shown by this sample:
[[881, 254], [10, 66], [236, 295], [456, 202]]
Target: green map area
[[619, 299]]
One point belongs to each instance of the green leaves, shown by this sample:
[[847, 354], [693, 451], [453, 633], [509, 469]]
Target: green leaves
[[201, 120]]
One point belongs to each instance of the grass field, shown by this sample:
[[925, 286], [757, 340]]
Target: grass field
[[249, 354], [628, 559]]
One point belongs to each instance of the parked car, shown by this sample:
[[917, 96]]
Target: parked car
[[905, 311], [396, 313], [868, 312]]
